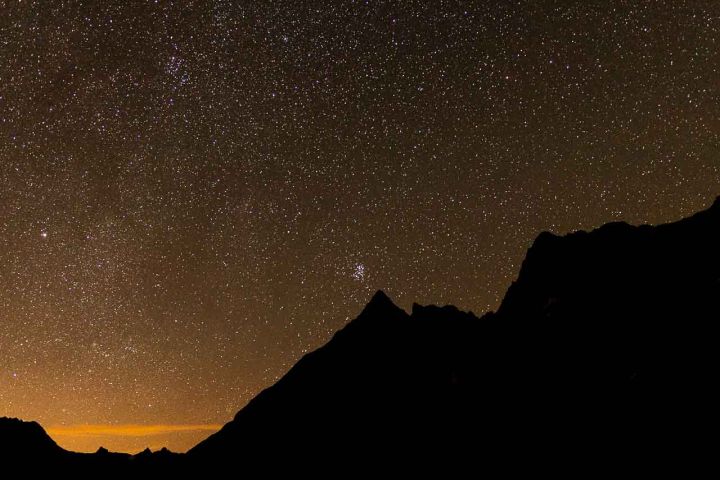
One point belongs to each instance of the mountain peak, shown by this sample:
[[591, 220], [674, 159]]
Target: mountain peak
[[380, 299], [380, 306], [379, 303]]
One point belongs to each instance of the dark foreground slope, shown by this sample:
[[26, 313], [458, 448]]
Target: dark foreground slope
[[388, 384], [603, 354], [604, 350]]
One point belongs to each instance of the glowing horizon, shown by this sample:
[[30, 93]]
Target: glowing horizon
[[126, 438], [194, 195]]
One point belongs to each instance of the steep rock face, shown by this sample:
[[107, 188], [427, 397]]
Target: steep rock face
[[618, 264], [632, 303]]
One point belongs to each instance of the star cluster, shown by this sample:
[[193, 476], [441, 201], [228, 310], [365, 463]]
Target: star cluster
[[194, 194]]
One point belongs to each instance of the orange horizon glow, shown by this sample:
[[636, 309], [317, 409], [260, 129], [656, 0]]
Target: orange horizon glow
[[129, 438]]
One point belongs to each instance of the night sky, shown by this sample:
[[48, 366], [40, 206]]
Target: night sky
[[195, 194]]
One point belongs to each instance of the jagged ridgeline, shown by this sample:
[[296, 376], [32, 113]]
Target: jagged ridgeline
[[602, 352]]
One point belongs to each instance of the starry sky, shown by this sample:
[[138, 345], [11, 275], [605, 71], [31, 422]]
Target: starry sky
[[193, 194]]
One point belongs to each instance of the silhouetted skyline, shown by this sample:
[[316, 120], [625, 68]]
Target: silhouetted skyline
[[602, 354], [194, 195]]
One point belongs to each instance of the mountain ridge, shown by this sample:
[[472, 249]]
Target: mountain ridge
[[601, 334], [588, 322]]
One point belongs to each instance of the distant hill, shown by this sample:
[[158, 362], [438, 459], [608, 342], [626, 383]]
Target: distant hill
[[602, 354], [19, 438], [26, 451]]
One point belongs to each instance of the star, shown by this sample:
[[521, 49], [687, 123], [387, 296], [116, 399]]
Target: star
[[219, 187], [358, 272]]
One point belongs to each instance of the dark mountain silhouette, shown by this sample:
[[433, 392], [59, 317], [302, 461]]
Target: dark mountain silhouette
[[603, 350], [602, 354], [27, 451], [18, 437]]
